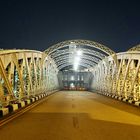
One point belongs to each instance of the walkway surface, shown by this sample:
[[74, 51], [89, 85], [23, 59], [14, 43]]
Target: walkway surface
[[75, 115]]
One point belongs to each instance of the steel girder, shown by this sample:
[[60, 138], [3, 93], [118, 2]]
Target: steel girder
[[135, 48], [80, 42], [66, 64], [86, 57], [91, 64], [93, 52], [91, 57], [85, 51], [71, 61]]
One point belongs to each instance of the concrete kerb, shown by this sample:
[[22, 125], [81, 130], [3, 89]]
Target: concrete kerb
[[116, 97], [39, 96], [137, 103], [32, 99], [36, 98], [12, 107], [21, 104], [130, 101], [27, 101], [4, 111], [125, 100], [113, 96], [120, 98]]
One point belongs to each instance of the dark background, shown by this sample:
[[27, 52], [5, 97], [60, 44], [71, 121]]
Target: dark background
[[39, 24]]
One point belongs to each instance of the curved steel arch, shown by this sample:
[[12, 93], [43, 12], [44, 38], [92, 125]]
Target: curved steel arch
[[80, 42], [84, 62], [86, 51], [92, 52], [86, 57], [66, 64], [135, 48]]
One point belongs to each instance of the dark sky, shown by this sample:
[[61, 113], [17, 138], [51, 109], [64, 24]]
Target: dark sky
[[39, 24]]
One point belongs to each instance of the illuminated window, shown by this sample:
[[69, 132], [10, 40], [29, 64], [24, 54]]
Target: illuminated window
[[82, 78], [65, 77], [78, 78], [72, 78], [72, 85]]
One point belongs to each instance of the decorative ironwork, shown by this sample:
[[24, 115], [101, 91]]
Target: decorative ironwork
[[92, 51], [135, 48], [79, 42]]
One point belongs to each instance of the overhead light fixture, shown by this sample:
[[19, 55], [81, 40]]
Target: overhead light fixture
[[77, 59], [76, 66], [79, 52]]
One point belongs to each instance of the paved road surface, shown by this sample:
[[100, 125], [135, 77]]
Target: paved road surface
[[75, 115]]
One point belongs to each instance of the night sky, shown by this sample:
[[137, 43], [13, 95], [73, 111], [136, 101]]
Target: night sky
[[39, 24]]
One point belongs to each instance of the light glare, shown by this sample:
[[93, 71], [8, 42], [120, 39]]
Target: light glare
[[79, 52], [77, 59]]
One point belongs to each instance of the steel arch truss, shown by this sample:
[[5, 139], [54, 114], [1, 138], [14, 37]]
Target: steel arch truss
[[93, 52], [24, 74], [135, 48], [86, 51], [86, 57], [90, 63], [66, 64], [81, 43]]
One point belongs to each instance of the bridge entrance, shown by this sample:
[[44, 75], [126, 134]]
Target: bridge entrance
[[27, 76], [71, 65], [75, 60], [74, 80]]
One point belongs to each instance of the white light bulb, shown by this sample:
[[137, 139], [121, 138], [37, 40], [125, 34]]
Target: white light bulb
[[79, 52]]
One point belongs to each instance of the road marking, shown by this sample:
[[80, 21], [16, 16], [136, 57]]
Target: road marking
[[75, 122]]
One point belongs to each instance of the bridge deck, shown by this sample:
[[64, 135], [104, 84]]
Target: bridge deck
[[74, 115]]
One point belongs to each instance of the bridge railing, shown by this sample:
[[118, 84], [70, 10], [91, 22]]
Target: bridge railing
[[24, 73], [119, 75]]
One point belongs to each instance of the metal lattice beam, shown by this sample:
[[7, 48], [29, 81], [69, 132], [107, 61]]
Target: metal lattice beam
[[66, 64], [80, 42], [58, 53], [82, 61], [86, 57], [135, 48], [92, 52]]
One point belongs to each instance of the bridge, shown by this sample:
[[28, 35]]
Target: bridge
[[57, 93]]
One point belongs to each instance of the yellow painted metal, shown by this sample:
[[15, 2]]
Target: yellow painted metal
[[121, 79], [15, 60], [4, 76], [29, 72]]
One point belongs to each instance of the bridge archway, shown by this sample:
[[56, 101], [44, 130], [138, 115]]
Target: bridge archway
[[135, 48], [88, 54], [64, 53], [27, 73]]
